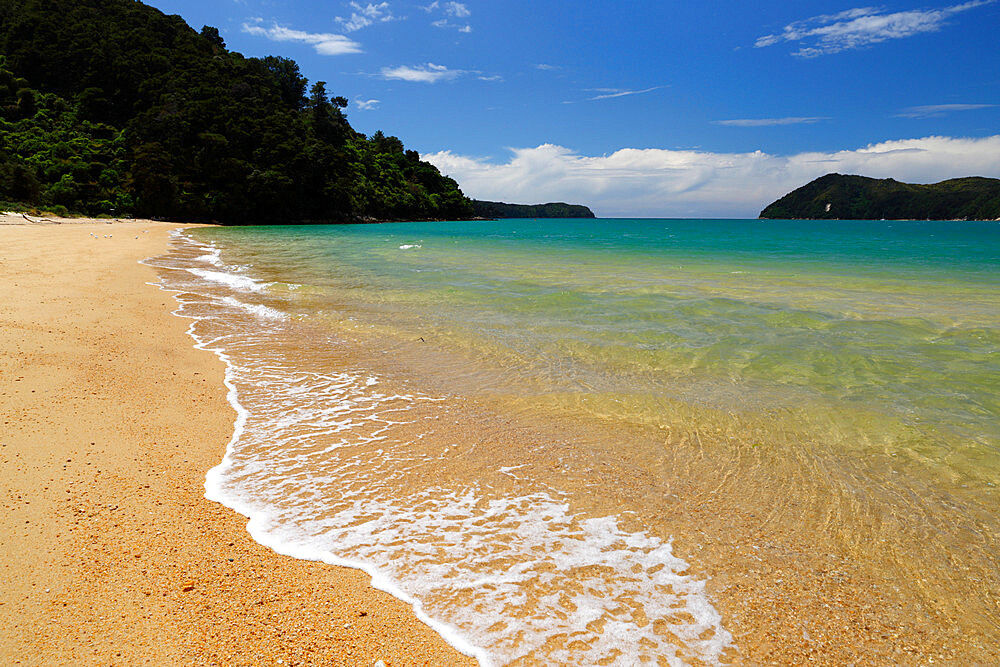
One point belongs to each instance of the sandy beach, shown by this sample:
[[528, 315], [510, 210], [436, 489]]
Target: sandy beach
[[109, 551]]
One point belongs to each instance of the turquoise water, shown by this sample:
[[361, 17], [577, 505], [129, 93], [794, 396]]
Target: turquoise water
[[512, 424], [900, 318]]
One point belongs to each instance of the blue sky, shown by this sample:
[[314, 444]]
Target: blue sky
[[649, 108]]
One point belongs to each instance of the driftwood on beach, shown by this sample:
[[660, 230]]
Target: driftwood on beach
[[25, 216]]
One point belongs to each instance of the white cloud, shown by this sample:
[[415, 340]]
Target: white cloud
[[445, 23], [622, 93], [326, 44], [765, 122], [545, 67], [862, 26], [688, 183], [454, 10], [365, 15], [931, 110], [366, 105], [429, 73]]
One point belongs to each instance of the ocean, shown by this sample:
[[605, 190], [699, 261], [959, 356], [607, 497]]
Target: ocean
[[622, 441]]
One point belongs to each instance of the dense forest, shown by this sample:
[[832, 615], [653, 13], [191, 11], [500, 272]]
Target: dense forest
[[836, 196], [110, 107], [496, 209]]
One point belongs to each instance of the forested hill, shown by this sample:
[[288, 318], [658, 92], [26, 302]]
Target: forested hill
[[496, 209], [836, 196], [112, 107]]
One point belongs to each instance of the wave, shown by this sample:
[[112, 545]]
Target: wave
[[233, 280], [324, 464], [255, 309]]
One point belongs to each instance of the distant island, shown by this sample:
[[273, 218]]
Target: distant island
[[496, 209], [837, 196]]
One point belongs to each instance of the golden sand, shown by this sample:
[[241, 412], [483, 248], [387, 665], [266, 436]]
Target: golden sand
[[109, 552]]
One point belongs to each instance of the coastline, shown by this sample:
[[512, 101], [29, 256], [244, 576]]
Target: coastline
[[794, 577], [805, 547], [111, 419]]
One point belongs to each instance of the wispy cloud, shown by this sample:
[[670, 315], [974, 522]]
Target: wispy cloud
[[932, 110], [366, 105], [445, 23], [456, 9], [326, 44], [493, 77], [429, 73], [683, 183], [363, 16], [546, 68], [862, 26], [612, 92], [765, 122], [451, 10]]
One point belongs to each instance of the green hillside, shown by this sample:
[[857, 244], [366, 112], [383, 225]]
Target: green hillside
[[112, 107], [836, 196], [496, 209]]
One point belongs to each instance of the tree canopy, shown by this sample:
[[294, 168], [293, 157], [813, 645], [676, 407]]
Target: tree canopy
[[112, 107]]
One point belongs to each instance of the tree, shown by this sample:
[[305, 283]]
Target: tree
[[131, 108], [18, 183], [290, 81], [214, 38]]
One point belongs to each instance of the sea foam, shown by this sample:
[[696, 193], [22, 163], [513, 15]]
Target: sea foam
[[259, 310], [213, 256], [317, 465], [233, 280]]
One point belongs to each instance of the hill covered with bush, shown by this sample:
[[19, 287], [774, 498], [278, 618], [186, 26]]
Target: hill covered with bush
[[496, 209], [112, 107], [836, 196]]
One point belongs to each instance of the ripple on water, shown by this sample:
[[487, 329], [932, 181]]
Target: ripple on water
[[332, 466]]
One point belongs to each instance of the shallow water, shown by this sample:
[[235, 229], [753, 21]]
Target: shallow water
[[509, 422]]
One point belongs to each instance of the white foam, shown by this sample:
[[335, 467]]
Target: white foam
[[213, 257], [520, 569], [232, 280], [410, 245], [264, 312]]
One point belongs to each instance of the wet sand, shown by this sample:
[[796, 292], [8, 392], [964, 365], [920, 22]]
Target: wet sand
[[109, 551]]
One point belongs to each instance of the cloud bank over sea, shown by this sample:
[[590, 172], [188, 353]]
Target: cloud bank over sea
[[654, 182]]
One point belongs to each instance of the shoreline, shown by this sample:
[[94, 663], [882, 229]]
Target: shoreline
[[829, 570], [137, 566], [21, 218], [111, 419]]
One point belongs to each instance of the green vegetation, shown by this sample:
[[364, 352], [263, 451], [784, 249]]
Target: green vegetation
[[495, 209], [836, 196], [111, 107]]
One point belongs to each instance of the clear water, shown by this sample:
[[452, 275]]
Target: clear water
[[517, 370], [902, 318]]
